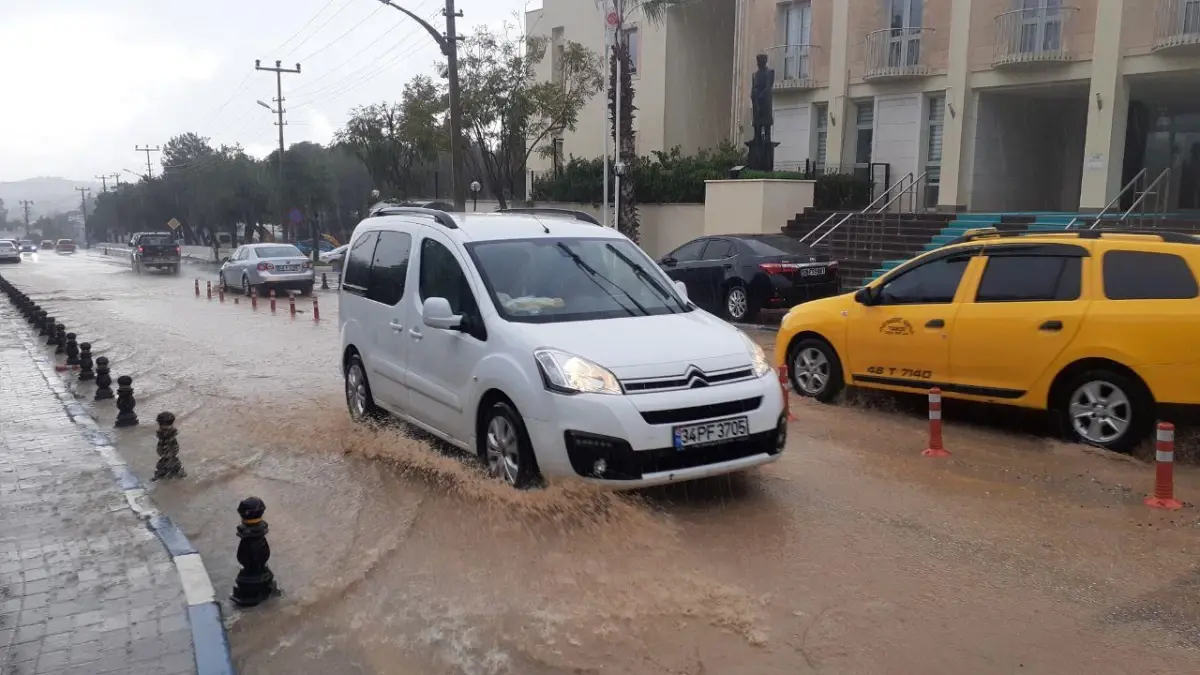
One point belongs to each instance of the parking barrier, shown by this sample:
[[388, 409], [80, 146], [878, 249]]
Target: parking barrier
[[168, 465], [126, 417], [292, 303], [197, 288], [255, 582], [316, 310], [103, 380], [935, 448], [221, 293], [272, 300], [85, 362], [60, 339], [324, 282], [1164, 470], [784, 385], [254, 298], [208, 287], [72, 351]]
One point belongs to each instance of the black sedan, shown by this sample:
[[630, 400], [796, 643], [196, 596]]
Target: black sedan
[[738, 275]]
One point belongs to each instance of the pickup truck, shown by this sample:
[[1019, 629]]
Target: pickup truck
[[156, 250]]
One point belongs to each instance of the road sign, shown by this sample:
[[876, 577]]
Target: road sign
[[613, 19], [173, 224], [295, 216]]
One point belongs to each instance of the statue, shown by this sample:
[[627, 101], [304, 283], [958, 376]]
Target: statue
[[762, 90]]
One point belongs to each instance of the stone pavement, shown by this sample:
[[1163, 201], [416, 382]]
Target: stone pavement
[[86, 587]]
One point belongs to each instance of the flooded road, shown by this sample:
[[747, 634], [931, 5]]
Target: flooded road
[[852, 554]]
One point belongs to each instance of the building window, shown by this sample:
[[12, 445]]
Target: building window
[[633, 43], [821, 111], [935, 124], [865, 131]]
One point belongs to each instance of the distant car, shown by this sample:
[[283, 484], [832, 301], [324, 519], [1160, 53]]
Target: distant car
[[738, 275], [335, 257], [306, 247], [157, 250], [27, 246], [47, 244], [257, 266], [64, 247], [9, 252]]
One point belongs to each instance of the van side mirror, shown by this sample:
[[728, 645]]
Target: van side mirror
[[864, 296], [436, 313], [681, 288]]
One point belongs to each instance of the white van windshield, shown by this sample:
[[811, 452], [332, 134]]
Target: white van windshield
[[550, 280]]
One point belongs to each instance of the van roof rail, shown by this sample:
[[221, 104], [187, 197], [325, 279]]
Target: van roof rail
[[551, 211], [441, 217]]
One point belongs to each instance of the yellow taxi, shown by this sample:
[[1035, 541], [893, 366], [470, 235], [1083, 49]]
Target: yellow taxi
[[1097, 326]]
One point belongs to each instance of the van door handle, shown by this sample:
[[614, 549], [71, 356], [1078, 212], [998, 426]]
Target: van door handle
[[416, 334], [396, 325], [935, 323], [1051, 326]]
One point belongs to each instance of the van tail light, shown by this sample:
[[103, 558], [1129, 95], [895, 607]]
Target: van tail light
[[265, 267], [139, 249]]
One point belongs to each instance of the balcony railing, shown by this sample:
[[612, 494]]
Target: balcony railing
[[793, 66], [895, 53], [1176, 24], [1030, 36]]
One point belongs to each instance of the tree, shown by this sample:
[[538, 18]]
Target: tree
[[507, 114], [392, 138], [654, 11]]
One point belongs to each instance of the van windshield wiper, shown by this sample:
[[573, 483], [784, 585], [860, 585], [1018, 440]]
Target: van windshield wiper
[[645, 276], [593, 275]]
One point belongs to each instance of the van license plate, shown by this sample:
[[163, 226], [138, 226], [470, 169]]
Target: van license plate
[[812, 272], [710, 433]]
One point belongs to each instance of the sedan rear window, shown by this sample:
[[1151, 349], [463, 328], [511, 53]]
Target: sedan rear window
[[156, 240], [277, 252], [777, 245]]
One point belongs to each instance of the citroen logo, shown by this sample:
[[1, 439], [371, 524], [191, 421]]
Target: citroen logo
[[696, 378]]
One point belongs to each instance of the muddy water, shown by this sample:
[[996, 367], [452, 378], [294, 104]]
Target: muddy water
[[851, 555]]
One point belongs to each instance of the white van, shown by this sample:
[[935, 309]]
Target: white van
[[551, 347]]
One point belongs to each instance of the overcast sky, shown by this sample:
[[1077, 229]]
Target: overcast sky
[[84, 81]]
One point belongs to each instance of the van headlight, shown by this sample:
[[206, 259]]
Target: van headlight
[[758, 358], [569, 374]]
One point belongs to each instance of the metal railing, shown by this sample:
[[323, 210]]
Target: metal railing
[[848, 216], [1131, 185], [1159, 192], [1025, 36], [1176, 23], [896, 52], [794, 69]]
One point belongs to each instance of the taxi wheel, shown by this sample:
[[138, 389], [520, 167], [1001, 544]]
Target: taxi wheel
[[815, 370], [1107, 409]]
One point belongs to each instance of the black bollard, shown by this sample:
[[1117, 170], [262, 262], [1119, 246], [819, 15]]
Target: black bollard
[[35, 314], [47, 323], [168, 448], [126, 417], [324, 282], [103, 380], [255, 582], [60, 339], [72, 350], [85, 362]]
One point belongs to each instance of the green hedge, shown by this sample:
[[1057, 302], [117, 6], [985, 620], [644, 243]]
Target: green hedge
[[675, 178]]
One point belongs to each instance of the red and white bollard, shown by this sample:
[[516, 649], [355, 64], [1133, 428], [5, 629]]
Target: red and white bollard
[[1164, 470], [784, 385], [272, 300], [221, 293], [208, 289], [316, 310], [253, 298], [935, 448], [197, 288], [292, 303]]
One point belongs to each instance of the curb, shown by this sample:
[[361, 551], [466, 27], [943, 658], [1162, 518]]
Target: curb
[[209, 641]]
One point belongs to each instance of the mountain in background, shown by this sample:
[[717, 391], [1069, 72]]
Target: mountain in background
[[49, 196]]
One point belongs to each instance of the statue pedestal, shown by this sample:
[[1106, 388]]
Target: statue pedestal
[[761, 155]]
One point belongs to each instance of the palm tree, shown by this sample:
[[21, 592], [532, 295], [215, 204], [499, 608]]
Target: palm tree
[[654, 11]]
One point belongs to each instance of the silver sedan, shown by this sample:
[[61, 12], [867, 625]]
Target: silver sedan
[[264, 266]]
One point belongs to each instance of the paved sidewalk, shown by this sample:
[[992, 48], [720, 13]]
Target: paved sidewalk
[[85, 586]]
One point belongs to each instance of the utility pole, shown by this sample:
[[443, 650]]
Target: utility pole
[[148, 150], [83, 195], [103, 181], [448, 42], [25, 204], [279, 70]]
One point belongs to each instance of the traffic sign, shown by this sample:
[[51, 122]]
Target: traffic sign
[[173, 224], [613, 19]]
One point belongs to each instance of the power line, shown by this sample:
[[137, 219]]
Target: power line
[[279, 70], [313, 34], [306, 25], [348, 31], [331, 71]]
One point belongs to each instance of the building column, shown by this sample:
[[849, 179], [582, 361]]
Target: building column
[[1108, 112], [839, 85], [952, 193]]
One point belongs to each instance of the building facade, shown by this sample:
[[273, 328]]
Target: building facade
[[682, 79], [1000, 105]]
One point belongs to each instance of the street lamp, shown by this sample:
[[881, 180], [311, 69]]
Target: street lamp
[[475, 188], [621, 168], [269, 108]]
